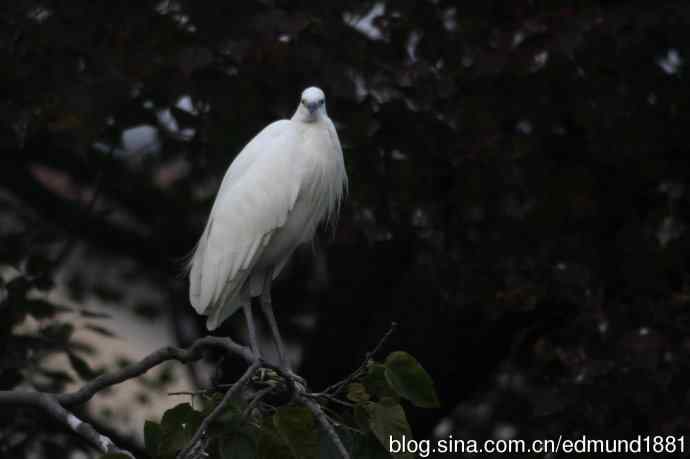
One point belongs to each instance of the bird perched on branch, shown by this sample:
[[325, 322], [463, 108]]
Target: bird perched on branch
[[286, 180]]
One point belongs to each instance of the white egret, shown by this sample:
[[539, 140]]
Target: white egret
[[285, 181]]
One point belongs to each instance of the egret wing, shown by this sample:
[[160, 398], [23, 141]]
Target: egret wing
[[253, 150], [257, 193]]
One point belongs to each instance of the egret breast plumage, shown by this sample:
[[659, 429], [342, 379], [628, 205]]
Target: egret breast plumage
[[280, 187]]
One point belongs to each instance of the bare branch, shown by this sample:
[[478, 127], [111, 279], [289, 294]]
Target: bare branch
[[331, 398], [381, 342], [55, 404], [218, 410], [340, 385], [50, 405], [192, 353]]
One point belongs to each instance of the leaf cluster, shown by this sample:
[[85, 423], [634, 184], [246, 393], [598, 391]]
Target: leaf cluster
[[370, 413]]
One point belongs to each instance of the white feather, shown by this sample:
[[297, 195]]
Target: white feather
[[285, 181]]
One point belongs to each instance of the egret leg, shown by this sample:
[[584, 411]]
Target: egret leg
[[267, 308], [249, 316]]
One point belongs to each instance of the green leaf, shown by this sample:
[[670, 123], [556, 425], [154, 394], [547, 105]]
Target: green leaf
[[178, 427], [356, 392], [270, 444], [296, 426], [376, 382], [237, 446], [152, 437], [180, 415], [210, 403], [230, 419], [81, 367], [231, 414], [362, 414], [388, 422], [407, 377]]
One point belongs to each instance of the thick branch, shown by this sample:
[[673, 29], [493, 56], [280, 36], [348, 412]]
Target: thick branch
[[192, 353], [50, 405], [54, 403], [321, 417]]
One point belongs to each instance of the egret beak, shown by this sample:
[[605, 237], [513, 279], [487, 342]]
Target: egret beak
[[312, 106]]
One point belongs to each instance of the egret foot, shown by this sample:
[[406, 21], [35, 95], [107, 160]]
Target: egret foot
[[300, 382]]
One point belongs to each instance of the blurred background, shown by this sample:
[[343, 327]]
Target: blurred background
[[519, 202]]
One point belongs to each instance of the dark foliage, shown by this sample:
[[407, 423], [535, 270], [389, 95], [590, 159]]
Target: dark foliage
[[518, 201]]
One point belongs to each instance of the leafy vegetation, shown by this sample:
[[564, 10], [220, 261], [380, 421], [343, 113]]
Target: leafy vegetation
[[289, 431]]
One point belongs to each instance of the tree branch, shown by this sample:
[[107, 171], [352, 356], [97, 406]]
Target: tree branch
[[334, 389], [232, 391], [50, 405], [321, 417], [55, 404], [190, 354]]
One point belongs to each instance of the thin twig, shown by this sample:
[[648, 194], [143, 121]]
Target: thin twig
[[218, 409], [331, 398], [334, 418], [337, 387], [381, 342]]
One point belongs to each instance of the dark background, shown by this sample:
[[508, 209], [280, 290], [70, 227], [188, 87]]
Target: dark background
[[518, 204]]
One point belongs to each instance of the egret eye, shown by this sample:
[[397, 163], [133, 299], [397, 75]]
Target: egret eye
[[304, 102], [321, 102]]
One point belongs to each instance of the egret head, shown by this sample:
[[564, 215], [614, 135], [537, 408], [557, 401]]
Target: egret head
[[312, 105]]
